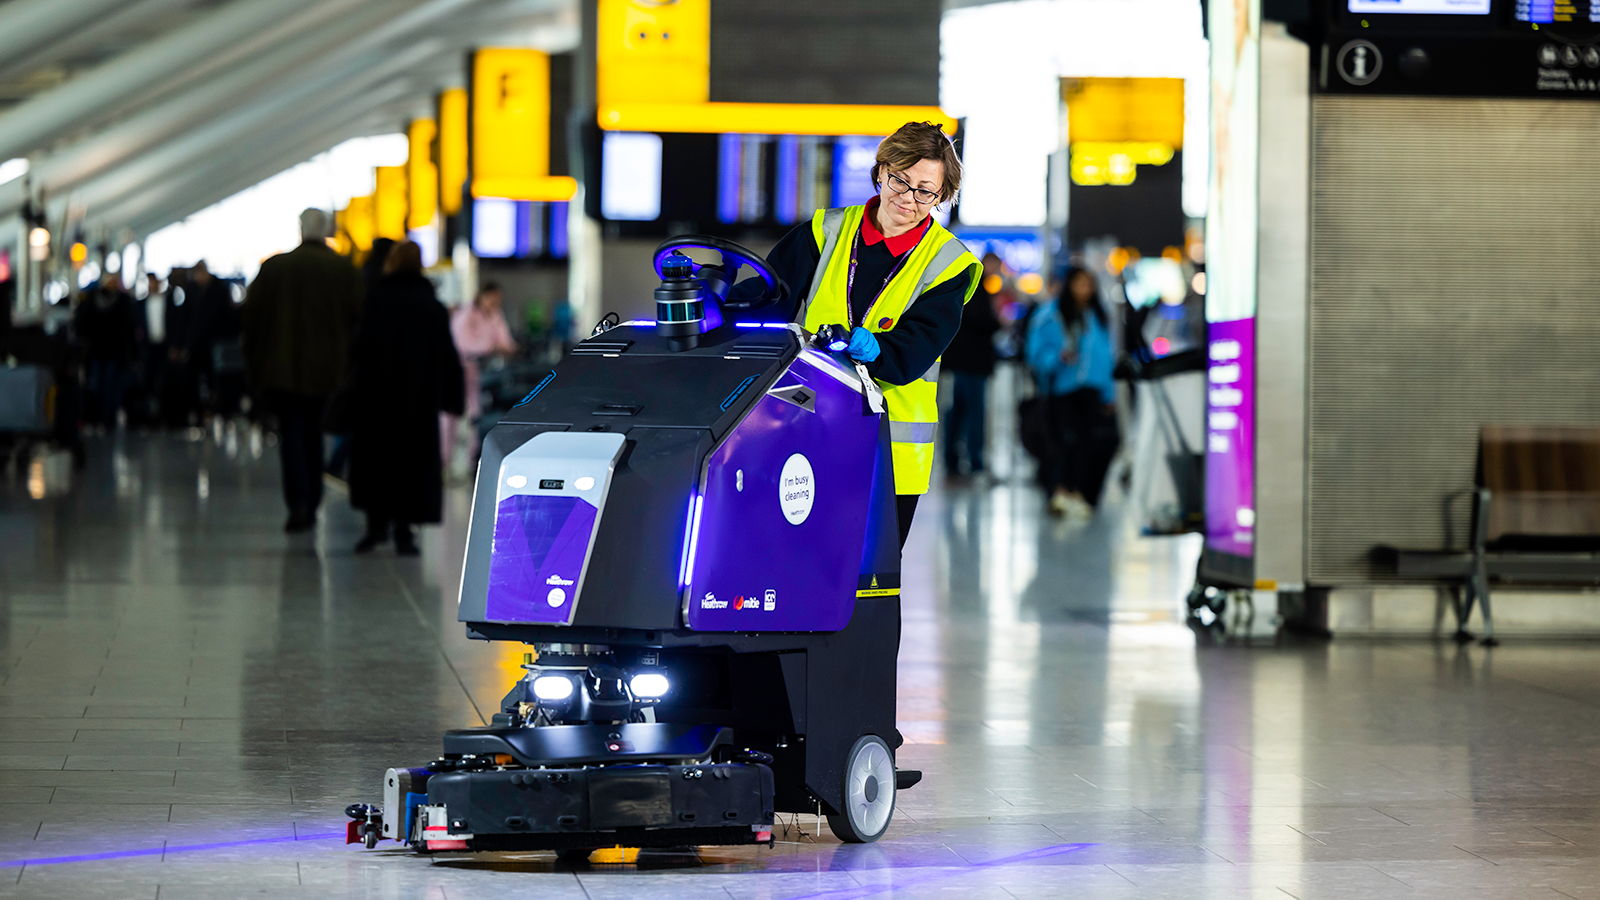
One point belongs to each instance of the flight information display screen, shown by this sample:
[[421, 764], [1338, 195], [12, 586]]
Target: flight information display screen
[[1550, 12], [1432, 7]]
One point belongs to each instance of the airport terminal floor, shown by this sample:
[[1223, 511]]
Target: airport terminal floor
[[189, 698]]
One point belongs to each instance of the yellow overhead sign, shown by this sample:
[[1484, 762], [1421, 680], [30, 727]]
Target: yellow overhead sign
[[452, 149], [653, 61], [1115, 162], [648, 51], [547, 188], [422, 176], [358, 222], [510, 122], [389, 203], [1111, 110], [768, 118]]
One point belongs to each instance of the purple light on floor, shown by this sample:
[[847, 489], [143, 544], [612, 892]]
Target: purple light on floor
[[158, 851], [942, 872]]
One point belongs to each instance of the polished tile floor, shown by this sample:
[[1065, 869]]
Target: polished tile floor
[[189, 698]]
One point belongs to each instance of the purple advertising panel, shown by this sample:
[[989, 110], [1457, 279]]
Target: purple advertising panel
[[1230, 437], [539, 547], [776, 543]]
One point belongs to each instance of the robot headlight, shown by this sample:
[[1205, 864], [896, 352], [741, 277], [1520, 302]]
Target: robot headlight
[[552, 688], [838, 346], [649, 685]]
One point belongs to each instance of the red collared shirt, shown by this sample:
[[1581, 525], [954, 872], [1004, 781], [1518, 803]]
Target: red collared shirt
[[897, 245]]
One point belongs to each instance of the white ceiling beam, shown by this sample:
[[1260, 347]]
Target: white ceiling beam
[[71, 166], [28, 24], [200, 192], [86, 34], [295, 59], [215, 140], [315, 130], [31, 125]]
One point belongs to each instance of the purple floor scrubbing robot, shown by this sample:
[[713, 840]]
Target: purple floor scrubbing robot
[[691, 521]]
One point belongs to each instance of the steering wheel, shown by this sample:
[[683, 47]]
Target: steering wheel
[[720, 278]]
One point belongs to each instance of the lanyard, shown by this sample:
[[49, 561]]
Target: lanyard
[[850, 281]]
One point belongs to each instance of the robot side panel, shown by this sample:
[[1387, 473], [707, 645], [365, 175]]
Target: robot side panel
[[777, 545]]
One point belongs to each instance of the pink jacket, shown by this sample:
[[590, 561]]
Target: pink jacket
[[478, 333]]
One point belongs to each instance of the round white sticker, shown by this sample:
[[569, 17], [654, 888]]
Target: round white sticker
[[797, 489], [556, 597]]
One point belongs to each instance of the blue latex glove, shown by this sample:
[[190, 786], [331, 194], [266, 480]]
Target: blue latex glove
[[863, 345]]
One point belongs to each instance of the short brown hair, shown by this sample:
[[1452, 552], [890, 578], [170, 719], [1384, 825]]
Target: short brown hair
[[912, 143], [404, 258]]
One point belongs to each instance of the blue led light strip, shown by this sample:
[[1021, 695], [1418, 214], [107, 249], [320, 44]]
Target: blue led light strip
[[688, 533], [535, 392], [737, 391], [694, 539]]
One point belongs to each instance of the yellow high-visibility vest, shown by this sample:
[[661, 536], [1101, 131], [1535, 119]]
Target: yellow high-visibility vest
[[938, 257]]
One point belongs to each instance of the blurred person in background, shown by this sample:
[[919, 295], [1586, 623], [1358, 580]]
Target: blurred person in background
[[1070, 353], [107, 326], [560, 330], [152, 315], [212, 343], [970, 358], [406, 373], [337, 421], [177, 393], [480, 331], [372, 266], [299, 317]]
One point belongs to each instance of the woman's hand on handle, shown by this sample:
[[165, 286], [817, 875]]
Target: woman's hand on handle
[[863, 345]]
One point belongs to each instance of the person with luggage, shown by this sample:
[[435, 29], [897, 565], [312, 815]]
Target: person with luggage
[[1069, 351]]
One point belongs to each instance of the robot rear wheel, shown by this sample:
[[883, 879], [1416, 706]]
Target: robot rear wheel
[[869, 792]]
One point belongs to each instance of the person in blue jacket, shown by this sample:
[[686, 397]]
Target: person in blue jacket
[[1069, 351]]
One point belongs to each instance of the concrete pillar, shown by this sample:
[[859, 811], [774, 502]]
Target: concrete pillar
[[583, 233]]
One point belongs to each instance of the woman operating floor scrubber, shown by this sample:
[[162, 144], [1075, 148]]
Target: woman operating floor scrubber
[[694, 522], [898, 280]]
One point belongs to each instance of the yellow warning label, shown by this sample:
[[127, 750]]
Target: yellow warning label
[[881, 592]]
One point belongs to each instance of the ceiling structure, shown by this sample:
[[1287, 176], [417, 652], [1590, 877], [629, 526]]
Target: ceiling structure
[[136, 113]]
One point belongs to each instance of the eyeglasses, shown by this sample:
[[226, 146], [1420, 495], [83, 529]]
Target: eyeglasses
[[900, 186]]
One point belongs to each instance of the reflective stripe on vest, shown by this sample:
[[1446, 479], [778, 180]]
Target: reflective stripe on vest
[[947, 256], [913, 408], [913, 432]]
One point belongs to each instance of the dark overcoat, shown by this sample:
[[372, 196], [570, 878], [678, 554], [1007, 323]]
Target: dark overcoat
[[299, 316], [406, 373]]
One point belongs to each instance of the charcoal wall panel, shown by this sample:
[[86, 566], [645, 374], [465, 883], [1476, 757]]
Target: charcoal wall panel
[[1455, 284]]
